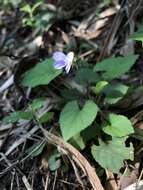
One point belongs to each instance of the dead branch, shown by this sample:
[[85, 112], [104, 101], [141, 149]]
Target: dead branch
[[81, 161]]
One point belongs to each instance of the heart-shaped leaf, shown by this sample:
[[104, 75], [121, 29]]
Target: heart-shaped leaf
[[112, 154], [41, 74], [114, 67], [73, 120], [120, 126], [115, 92]]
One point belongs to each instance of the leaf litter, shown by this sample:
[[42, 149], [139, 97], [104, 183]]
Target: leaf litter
[[94, 31]]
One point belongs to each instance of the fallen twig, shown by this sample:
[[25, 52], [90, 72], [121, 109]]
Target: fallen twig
[[68, 149]]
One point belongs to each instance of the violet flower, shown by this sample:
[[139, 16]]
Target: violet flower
[[63, 61]]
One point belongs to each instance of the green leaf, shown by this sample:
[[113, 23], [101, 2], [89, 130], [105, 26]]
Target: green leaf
[[112, 154], [70, 94], [15, 116], [43, 21], [36, 5], [36, 149], [91, 132], [120, 126], [28, 22], [46, 117], [37, 103], [73, 120], [114, 92], [43, 73], [99, 87], [77, 141], [54, 161], [107, 2], [138, 35], [27, 9], [86, 75], [115, 67]]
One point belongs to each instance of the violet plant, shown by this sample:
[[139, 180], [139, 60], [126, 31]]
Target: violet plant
[[81, 119]]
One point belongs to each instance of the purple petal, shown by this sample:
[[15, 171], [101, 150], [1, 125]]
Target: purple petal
[[58, 56], [59, 64]]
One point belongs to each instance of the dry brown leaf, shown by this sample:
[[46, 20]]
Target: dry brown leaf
[[93, 30]]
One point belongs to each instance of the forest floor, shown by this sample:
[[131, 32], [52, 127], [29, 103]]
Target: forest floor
[[33, 154]]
